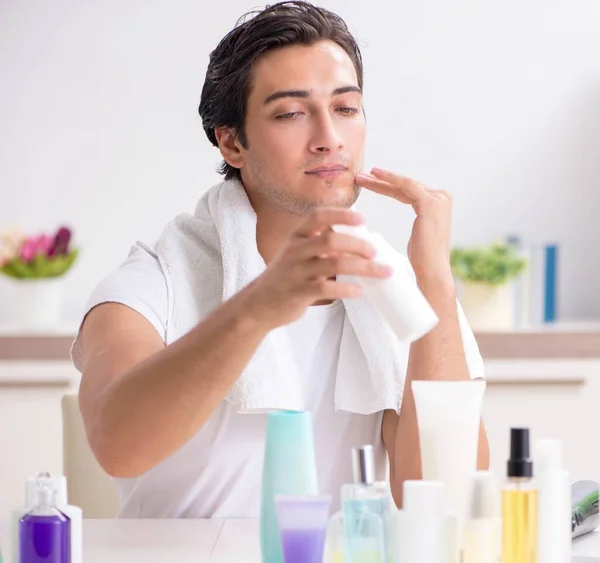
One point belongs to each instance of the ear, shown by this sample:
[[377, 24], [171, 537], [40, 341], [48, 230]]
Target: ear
[[230, 146]]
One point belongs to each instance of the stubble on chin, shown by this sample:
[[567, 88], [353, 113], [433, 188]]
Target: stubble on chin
[[293, 204]]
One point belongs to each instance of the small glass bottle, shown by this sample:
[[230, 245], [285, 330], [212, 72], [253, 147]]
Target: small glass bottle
[[366, 512], [519, 503], [45, 532]]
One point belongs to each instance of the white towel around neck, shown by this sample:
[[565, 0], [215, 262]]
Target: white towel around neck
[[209, 256]]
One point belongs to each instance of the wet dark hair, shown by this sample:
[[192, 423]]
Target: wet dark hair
[[229, 75]]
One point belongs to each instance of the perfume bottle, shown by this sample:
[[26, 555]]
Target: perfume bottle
[[366, 512], [45, 532], [519, 503]]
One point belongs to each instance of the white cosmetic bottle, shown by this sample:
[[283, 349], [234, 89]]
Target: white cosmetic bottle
[[423, 531], [554, 503], [58, 483], [397, 298]]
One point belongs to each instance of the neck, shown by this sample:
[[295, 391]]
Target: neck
[[273, 228], [273, 224]]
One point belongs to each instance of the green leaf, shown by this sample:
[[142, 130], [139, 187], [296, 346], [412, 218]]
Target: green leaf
[[40, 267], [9, 270], [494, 264]]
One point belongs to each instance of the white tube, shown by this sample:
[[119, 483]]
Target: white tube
[[448, 416], [554, 503]]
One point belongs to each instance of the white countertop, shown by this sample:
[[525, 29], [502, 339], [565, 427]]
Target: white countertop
[[201, 541], [69, 328]]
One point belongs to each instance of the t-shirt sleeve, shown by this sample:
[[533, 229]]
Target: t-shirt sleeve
[[138, 283]]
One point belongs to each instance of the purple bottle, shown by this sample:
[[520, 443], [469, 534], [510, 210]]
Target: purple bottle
[[45, 532], [302, 521]]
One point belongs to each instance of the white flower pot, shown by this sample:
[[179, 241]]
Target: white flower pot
[[35, 303], [488, 307]]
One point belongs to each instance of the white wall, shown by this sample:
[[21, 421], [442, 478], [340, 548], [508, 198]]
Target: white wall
[[498, 102]]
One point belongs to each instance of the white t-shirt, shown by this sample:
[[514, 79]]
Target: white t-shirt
[[218, 472]]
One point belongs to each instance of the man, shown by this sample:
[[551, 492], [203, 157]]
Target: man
[[282, 101]]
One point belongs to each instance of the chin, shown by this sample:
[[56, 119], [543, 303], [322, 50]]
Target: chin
[[306, 198], [345, 197], [335, 194]]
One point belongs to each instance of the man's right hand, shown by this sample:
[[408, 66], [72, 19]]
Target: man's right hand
[[303, 272]]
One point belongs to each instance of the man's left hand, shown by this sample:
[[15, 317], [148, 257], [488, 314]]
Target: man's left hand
[[429, 244]]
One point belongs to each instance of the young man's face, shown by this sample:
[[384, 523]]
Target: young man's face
[[305, 129]]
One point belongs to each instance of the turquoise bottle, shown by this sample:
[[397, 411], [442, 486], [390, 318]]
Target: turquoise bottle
[[289, 468]]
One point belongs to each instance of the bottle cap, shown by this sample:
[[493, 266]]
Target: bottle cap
[[519, 464], [483, 495], [423, 497], [56, 482], [363, 465], [45, 498], [548, 456]]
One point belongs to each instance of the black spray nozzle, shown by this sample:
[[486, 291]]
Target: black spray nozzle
[[519, 464]]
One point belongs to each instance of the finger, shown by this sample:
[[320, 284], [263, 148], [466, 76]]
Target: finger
[[324, 218], [383, 188], [346, 265], [411, 188], [330, 242], [332, 289]]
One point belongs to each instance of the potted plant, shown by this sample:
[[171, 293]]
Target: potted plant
[[35, 267], [486, 294]]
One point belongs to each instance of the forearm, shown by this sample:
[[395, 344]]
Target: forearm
[[148, 413], [438, 356]]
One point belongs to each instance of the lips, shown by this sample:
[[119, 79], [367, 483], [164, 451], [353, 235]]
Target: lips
[[327, 169]]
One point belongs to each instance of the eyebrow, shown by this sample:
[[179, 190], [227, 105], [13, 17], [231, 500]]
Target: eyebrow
[[306, 93]]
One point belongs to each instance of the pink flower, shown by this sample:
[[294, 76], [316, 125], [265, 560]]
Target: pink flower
[[35, 246], [45, 244], [28, 249]]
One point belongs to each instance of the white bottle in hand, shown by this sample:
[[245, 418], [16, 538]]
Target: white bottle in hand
[[397, 298]]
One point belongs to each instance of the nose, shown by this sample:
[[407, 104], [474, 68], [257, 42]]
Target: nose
[[325, 137]]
